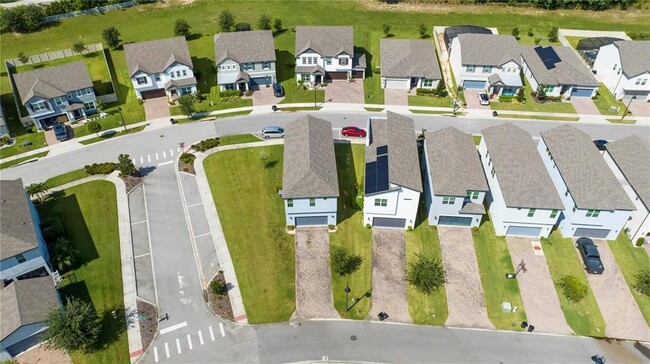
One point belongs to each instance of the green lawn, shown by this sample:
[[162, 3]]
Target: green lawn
[[112, 121], [218, 104], [350, 234], [305, 108], [430, 101], [374, 109], [23, 159], [112, 135], [34, 140], [89, 213], [624, 121], [494, 262], [477, 139], [238, 139], [631, 260], [252, 216], [583, 317], [537, 117], [605, 100], [531, 105], [300, 96], [65, 178]]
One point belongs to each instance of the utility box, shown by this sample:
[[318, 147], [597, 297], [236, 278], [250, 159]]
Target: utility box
[[506, 307]]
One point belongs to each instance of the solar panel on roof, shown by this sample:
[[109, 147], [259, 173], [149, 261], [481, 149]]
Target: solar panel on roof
[[548, 56], [382, 173], [371, 177], [382, 150]]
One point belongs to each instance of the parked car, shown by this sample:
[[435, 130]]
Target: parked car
[[278, 91], [483, 98], [590, 256], [59, 131], [600, 144], [353, 131], [272, 132]]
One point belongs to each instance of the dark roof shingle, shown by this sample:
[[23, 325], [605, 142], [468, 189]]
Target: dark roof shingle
[[52, 81], [632, 155], [156, 56], [244, 47], [409, 58], [17, 233], [25, 302], [489, 49], [325, 40]]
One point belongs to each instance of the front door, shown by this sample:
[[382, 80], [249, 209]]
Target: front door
[[318, 79], [414, 82]]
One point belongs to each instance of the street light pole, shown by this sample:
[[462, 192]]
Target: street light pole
[[628, 107], [315, 94], [347, 293], [122, 117]]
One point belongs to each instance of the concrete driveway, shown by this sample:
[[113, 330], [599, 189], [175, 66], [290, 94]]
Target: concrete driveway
[[156, 108], [465, 298], [264, 96], [618, 307], [585, 106], [538, 292], [313, 278], [342, 91], [388, 281], [394, 96], [640, 108], [471, 97]]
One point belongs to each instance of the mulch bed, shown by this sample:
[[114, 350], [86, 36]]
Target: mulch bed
[[131, 182], [185, 167], [219, 303], [148, 316]]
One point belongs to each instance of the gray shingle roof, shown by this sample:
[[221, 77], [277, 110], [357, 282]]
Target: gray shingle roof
[[409, 58], [17, 233], [632, 155], [489, 49], [244, 47], [180, 82], [309, 161], [557, 65], [155, 56], [453, 163], [519, 168], [25, 302], [52, 81], [590, 181], [635, 56], [326, 41], [472, 208], [398, 133]]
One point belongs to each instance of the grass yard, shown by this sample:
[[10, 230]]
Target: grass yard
[[89, 213], [252, 216], [24, 143], [23, 159], [111, 135], [238, 139], [350, 234], [583, 317], [65, 178], [430, 101], [111, 121], [537, 117], [605, 100], [631, 260], [306, 108], [303, 96], [374, 109], [624, 121], [494, 262], [217, 104], [532, 105]]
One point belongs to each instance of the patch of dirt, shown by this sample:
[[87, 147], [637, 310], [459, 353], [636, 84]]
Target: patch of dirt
[[186, 167], [219, 303], [169, 3], [131, 182], [41, 355], [148, 316]]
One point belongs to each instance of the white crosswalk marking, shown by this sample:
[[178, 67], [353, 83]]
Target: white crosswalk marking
[[148, 158], [178, 345], [156, 156], [171, 152], [164, 154], [178, 149], [141, 160], [200, 337], [155, 354], [211, 333], [221, 328], [167, 350], [189, 342], [133, 160]]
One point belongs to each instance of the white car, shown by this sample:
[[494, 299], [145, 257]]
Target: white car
[[483, 98]]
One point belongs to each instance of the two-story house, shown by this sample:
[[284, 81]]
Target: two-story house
[[160, 68], [488, 62], [594, 202], [244, 60], [61, 93], [523, 200], [628, 159], [310, 186], [392, 180], [625, 69], [455, 183], [560, 71], [408, 64], [326, 53]]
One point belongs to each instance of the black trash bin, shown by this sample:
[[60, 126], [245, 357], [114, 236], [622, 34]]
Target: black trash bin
[[531, 328], [495, 114], [382, 316], [524, 324], [172, 121], [274, 108]]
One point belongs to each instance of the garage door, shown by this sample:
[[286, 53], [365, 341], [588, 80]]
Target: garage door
[[640, 95], [358, 74], [400, 83], [592, 233], [337, 75], [523, 231], [260, 81], [389, 222], [455, 220], [153, 93], [311, 220], [581, 92], [477, 85]]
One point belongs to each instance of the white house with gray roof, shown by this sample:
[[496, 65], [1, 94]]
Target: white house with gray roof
[[160, 68], [628, 159], [326, 53], [625, 69], [244, 60], [310, 186], [523, 200], [559, 70], [594, 202], [60, 93], [455, 183], [408, 63], [489, 62], [393, 182]]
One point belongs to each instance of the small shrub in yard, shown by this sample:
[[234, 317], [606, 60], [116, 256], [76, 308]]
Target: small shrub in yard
[[100, 168], [126, 166], [642, 282], [425, 274], [291, 227], [229, 93], [206, 144], [217, 288], [187, 158], [640, 241], [64, 254], [573, 289]]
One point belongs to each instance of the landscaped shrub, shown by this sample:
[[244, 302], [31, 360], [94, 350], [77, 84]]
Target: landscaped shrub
[[217, 288], [187, 158], [640, 241], [506, 98], [343, 263], [53, 229], [425, 274], [5, 140], [22, 19], [100, 168], [642, 282], [64, 254], [573, 289], [229, 93], [206, 144], [291, 227]]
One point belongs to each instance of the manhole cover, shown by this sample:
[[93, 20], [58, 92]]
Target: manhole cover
[[353, 337]]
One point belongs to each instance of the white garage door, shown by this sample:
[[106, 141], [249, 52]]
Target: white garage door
[[523, 231], [402, 83]]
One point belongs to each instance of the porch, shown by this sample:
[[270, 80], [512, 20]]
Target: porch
[[504, 85]]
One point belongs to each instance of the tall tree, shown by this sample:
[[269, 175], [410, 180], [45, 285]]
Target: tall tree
[[186, 104], [277, 25], [226, 20], [94, 127], [265, 22], [112, 37], [181, 28], [78, 46], [425, 274], [36, 190], [126, 166], [77, 327]]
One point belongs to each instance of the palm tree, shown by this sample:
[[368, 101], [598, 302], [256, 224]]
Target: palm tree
[[37, 190]]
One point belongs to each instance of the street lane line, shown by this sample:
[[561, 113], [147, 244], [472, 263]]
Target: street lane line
[[196, 204], [155, 354], [221, 327], [148, 158], [172, 328], [167, 350], [201, 337], [141, 160], [133, 160], [141, 255], [189, 342], [156, 156], [211, 333], [198, 236], [171, 152], [178, 345], [139, 222], [165, 163], [164, 154]]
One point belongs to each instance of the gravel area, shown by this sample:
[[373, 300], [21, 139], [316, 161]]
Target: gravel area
[[465, 298], [388, 280], [41, 355], [313, 279]]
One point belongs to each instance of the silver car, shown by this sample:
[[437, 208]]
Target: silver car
[[483, 98], [272, 132]]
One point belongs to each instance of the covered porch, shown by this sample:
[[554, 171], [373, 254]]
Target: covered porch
[[178, 87], [234, 81], [310, 75], [504, 85]]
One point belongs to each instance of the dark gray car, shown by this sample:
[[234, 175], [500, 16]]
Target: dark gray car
[[590, 256]]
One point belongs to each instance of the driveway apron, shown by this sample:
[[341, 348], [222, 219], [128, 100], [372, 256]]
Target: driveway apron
[[396, 97], [342, 91], [464, 291], [265, 96], [639, 108], [585, 106], [156, 108]]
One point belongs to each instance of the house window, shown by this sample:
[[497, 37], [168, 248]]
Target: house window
[[554, 214], [142, 80], [79, 93], [427, 83], [575, 208], [223, 67], [566, 194], [89, 91], [304, 77], [328, 60], [58, 101], [531, 212], [470, 68], [618, 72], [448, 200], [492, 172], [157, 77], [289, 202], [343, 61], [266, 65], [613, 69], [89, 105], [247, 66], [39, 106], [20, 258], [593, 213], [229, 86], [70, 95], [304, 60], [641, 81], [472, 194], [549, 89], [487, 69], [312, 202], [382, 202], [178, 73], [309, 60]]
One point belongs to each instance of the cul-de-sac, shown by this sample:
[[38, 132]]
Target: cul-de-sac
[[306, 181]]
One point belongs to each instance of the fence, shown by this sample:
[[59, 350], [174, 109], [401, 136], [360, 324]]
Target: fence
[[49, 56], [97, 10]]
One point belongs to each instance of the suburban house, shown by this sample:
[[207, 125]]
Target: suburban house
[[595, 204], [61, 93], [452, 32], [625, 69], [244, 60], [326, 53], [408, 64], [24, 309], [455, 183], [392, 180], [22, 249], [160, 68], [489, 62], [560, 70], [523, 200], [628, 159], [310, 186]]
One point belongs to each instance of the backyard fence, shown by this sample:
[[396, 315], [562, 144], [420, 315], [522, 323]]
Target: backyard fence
[[49, 56], [97, 10]]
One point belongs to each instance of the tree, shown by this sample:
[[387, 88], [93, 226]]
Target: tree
[[181, 28], [425, 274], [552, 35], [423, 31], [515, 32], [112, 37], [541, 94], [186, 104], [36, 190], [441, 89], [521, 96], [64, 254], [530, 32], [265, 22], [277, 25], [22, 18], [572, 288], [343, 263], [76, 327], [53, 229], [386, 28], [94, 127], [22, 57], [642, 282], [226, 21], [126, 166], [78, 46]]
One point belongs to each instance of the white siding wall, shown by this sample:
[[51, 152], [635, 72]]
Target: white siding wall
[[321, 61], [631, 84], [165, 76], [402, 204], [607, 65], [460, 73], [301, 208]]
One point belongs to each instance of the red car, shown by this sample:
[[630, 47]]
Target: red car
[[353, 131]]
